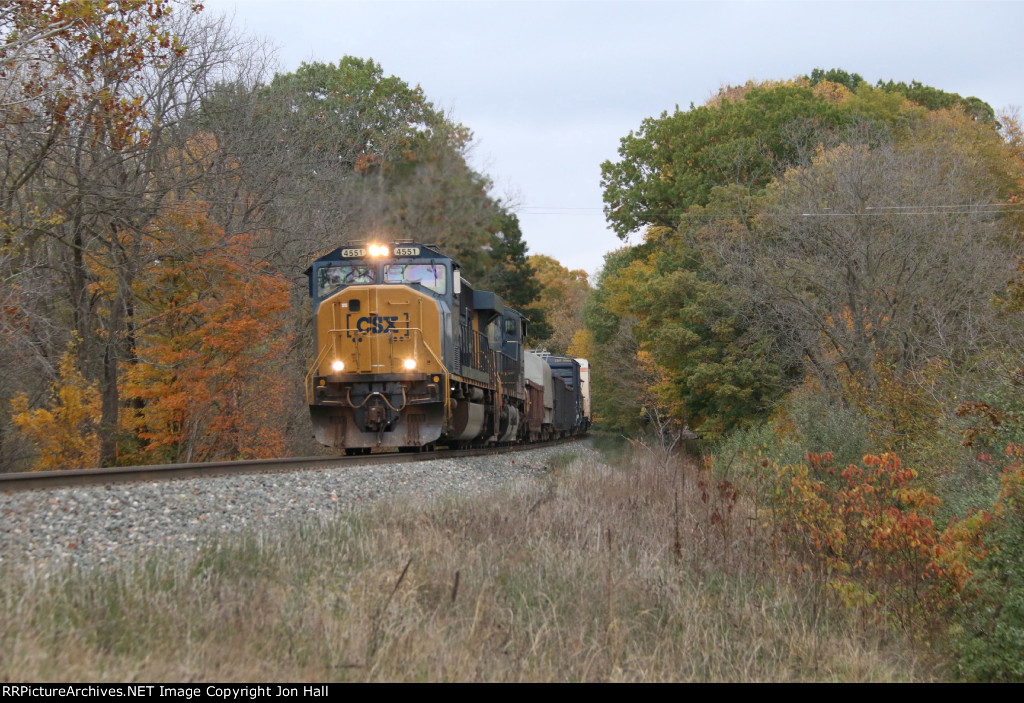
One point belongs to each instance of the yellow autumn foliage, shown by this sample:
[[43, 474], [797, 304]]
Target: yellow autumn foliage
[[64, 434]]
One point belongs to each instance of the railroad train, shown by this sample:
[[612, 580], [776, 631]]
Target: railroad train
[[410, 356]]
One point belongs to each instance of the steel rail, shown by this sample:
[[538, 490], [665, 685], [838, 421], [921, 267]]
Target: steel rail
[[49, 480]]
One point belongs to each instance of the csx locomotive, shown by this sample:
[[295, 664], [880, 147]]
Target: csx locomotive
[[409, 355]]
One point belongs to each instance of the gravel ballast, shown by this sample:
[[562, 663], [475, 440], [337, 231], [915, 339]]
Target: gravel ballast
[[99, 525]]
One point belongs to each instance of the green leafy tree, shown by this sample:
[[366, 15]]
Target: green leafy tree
[[748, 136], [700, 181], [351, 113], [989, 637], [620, 377], [674, 161], [935, 99], [836, 75], [372, 157], [714, 370], [510, 273]]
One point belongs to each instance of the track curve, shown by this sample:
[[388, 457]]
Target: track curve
[[47, 480]]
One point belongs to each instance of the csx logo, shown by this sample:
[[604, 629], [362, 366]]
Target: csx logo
[[376, 324]]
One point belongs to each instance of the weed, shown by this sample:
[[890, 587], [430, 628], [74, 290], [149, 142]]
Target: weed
[[652, 570]]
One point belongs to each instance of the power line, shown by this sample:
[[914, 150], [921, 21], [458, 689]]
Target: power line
[[869, 211], [927, 211]]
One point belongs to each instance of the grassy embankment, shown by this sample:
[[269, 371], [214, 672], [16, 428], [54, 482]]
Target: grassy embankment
[[646, 571]]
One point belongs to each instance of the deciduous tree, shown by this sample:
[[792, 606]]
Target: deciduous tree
[[894, 250], [95, 146], [211, 339], [64, 432], [562, 295]]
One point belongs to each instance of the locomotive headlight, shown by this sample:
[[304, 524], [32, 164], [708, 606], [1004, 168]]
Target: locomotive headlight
[[338, 365], [379, 250], [409, 364]]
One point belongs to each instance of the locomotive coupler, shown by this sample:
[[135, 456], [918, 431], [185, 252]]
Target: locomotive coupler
[[376, 414]]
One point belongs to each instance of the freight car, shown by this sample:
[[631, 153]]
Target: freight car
[[566, 399], [410, 355]]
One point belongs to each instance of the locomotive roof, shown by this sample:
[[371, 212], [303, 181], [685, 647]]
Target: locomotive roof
[[401, 249]]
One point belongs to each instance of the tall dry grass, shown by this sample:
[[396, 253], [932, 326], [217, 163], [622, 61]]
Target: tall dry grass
[[646, 572]]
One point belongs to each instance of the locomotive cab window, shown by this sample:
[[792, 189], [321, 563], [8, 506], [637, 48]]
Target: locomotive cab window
[[494, 335], [430, 276], [331, 278]]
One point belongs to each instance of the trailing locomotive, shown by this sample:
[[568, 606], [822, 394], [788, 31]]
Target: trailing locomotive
[[409, 355]]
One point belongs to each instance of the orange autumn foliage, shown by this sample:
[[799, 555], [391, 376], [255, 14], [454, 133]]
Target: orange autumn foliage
[[868, 533], [209, 382], [70, 60]]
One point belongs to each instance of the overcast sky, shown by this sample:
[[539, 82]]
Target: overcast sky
[[549, 88]]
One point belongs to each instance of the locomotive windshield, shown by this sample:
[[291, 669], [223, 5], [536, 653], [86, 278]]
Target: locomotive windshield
[[430, 276], [331, 278]]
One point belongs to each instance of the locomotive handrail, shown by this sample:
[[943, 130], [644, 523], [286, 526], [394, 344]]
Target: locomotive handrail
[[444, 369], [312, 372], [476, 345]]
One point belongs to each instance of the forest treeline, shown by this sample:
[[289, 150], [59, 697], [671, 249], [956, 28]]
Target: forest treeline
[[828, 289], [162, 193], [827, 285]]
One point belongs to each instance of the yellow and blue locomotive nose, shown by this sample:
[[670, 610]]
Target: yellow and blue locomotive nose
[[380, 329], [380, 379]]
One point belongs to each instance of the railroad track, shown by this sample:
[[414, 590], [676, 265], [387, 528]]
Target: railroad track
[[48, 480]]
